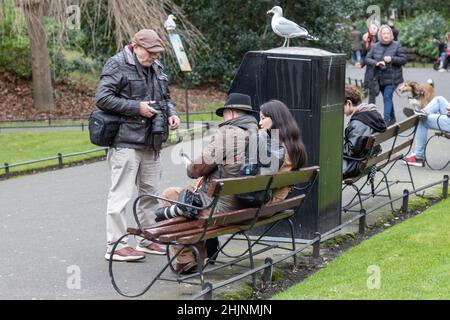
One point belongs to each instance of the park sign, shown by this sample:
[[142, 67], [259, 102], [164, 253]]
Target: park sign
[[182, 59]]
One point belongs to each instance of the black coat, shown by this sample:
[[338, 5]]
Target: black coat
[[123, 85], [357, 132], [392, 73]]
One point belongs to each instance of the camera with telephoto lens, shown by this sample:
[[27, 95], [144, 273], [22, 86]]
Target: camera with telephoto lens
[[159, 120], [177, 210]]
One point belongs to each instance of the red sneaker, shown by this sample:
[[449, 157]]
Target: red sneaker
[[126, 254], [413, 161], [152, 248]]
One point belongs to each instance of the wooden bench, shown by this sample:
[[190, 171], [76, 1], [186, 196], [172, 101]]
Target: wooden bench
[[187, 233], [383, 162]]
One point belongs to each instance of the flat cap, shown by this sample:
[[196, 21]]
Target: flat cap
[[149, 40]]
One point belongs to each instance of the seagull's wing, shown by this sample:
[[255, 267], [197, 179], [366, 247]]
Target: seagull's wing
[[287, 27]]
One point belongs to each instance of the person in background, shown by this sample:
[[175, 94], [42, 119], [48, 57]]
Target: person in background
[[364, 121], [435, 116], [391, 24], [356, 46], [387, 57], [369, 40]]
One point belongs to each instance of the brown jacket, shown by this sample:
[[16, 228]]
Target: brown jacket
[[223, 156]]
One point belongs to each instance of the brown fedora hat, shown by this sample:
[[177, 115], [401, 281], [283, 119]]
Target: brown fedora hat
[[237, 101]]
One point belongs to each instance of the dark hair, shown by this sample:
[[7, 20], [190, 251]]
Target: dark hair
[[289, 131], [353, 94]]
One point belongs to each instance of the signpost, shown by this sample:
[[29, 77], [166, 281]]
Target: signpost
[[185, 66]]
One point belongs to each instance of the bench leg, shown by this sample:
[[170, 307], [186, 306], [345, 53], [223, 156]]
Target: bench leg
[[291, 228], [113, 280], [250, 256], [350, 204], [388, 189], [410, 176], [199, 262]]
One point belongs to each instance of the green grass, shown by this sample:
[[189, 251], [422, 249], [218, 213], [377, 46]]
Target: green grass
[[25, 146], [412, 257]]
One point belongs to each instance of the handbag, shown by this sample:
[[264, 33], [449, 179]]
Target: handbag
[[103, 127]]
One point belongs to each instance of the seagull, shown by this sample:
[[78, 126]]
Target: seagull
[[170, 24], [286, 28]]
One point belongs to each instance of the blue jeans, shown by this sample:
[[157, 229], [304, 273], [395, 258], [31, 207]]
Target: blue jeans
[[388, 92], [437, 119], [356, 56]]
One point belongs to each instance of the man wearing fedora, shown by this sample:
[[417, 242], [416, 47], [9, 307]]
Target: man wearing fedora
[[133, 85], [221, 158]]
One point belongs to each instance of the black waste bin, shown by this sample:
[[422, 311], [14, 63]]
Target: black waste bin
[[311, 83]]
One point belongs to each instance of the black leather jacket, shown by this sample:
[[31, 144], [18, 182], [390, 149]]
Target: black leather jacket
[[123, 85], [355, 139]]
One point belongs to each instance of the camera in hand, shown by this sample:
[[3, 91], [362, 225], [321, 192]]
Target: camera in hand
[[177, 210], [159, 120]]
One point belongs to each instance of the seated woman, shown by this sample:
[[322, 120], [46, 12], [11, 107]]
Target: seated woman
[[435, 116], [365, 120], [276, 119]]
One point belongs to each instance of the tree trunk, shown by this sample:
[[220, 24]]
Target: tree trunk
[[40, 64]]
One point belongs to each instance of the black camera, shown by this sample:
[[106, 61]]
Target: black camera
[[159, 120], [177, 210]]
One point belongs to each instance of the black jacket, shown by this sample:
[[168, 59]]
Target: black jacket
[[124, 83], [358, 130], [392, 73]]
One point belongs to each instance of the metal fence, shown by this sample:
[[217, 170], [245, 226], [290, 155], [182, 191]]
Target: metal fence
[[54, 122], [60, 157], [319, 238]]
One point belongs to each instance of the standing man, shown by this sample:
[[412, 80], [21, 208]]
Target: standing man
[[134, 86]]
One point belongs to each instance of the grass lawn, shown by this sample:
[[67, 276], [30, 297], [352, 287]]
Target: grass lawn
[[413, 260], [26, 146]]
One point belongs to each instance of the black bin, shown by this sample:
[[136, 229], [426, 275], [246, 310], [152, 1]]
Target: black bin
[[311, 83]]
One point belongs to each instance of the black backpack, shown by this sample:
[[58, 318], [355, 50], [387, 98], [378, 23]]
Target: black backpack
[[103, 127], [253, 167]]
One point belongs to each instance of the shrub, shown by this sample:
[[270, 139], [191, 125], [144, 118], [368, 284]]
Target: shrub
[[420, 31]]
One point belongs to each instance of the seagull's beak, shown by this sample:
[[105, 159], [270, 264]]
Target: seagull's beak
[[174, 18], [268, 12]]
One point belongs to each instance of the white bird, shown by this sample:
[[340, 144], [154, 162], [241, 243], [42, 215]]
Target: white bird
[[286, 28], [170, 24]]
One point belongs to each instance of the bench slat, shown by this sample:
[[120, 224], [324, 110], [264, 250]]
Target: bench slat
[[232, 186], [293, 177], [175, 236], [233, 229], [385, 155], [291, 203], [402, 126], [192, 224]]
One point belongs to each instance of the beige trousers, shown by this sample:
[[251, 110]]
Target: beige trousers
[[130, 168]]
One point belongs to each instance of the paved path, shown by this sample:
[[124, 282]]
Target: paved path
[[53, 224]]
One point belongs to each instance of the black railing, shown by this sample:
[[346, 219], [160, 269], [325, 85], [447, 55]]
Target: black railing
[[52, 122], [60, 157], [356, 82]]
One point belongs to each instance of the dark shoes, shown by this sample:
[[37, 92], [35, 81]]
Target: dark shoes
[[186, 268], [390, 122]]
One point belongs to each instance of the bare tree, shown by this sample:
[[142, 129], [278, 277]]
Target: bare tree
[[129, 16], [40, 64]]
